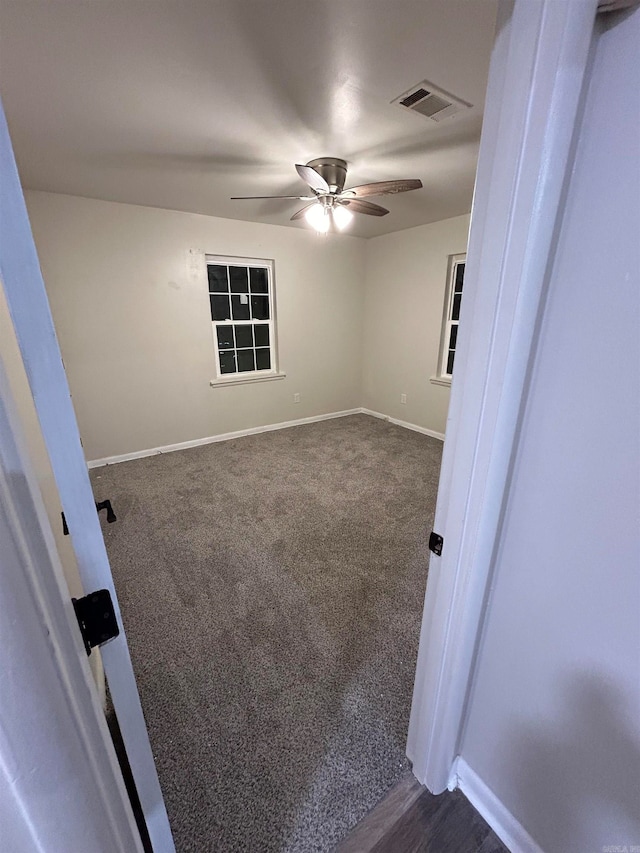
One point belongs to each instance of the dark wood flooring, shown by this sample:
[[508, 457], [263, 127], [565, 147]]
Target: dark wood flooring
[[412, 820]]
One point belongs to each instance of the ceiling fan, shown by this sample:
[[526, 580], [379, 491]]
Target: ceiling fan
[[330, 202]]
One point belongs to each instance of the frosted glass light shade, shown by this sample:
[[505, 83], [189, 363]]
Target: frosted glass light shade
[[318, 218], [342, 217]]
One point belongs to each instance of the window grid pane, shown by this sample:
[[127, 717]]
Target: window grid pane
[[453, 336], [228, 361], [259, 280], [244, 336], [455, 308], [261, 332], [263, 359], [240, 306], [220, 309], [259, 307], [241, 293], [239, 279], [225, 337], [218, 278], [246, 360]]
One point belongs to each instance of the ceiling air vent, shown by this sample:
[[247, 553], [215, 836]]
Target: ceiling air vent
[[431, 102]]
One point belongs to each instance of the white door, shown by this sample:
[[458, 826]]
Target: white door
[[29, 309], [51, 797]]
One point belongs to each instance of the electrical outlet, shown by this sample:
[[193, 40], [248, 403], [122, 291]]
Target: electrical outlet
[[296, 398], [403, 399]]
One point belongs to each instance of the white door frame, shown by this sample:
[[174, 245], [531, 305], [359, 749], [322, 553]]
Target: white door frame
[[29, 309], [537, 72]]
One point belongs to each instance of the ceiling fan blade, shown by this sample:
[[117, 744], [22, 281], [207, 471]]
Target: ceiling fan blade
[[300, 213], [358, 206], [247, 197], [311, 177], [383, 188]]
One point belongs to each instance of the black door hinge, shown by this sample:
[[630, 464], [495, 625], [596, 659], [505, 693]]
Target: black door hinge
[[435, 543], [111, 516], [96, 618]]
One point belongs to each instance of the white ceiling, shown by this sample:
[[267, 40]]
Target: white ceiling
[[182, 104]]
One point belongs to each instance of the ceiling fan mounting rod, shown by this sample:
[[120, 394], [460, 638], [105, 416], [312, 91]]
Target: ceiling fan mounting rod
[[328, 200]]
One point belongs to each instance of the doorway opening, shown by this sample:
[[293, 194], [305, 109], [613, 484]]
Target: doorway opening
[[271, 585]]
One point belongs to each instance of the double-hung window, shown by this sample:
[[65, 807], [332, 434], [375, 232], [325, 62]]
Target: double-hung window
[[451, 318], [242, 315]]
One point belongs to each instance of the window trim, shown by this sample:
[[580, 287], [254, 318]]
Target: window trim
[[239, 378], [442, 377], [253, 375]]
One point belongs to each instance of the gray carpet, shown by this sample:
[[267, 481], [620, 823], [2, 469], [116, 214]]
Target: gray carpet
[[272, 589]]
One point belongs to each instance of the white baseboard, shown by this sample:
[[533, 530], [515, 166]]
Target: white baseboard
[[211, 439], [226, 436], [405, 424], [504, 824]]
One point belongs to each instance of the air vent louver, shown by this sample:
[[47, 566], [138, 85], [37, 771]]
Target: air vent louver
[[430, 102], [430, 107], [414, 97]]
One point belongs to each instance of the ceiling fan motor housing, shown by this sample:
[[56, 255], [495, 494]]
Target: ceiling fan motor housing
[[332, 169]]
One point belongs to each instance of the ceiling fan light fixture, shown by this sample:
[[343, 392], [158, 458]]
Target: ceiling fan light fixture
[[317, 216], [326, 176], [341, 217]]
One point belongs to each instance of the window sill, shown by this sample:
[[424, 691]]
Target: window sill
[[245, 380], [440, 380]]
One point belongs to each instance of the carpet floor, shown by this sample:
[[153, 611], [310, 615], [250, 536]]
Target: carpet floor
[[272, 589]]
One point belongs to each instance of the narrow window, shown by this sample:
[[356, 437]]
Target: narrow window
[[451, 319], [241, 301]]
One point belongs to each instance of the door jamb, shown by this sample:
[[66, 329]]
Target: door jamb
[[536, 79]]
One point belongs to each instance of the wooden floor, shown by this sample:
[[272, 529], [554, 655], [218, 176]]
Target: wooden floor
[[412, 820]]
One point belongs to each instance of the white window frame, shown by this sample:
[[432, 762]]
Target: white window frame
[[253, 375], [443, 377]]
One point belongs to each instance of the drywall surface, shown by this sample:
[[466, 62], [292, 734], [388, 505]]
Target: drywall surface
[[133, 321], [404, 300], [553, 727]]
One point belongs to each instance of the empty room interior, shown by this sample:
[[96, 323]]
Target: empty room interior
[[271, 582], [252, 222]]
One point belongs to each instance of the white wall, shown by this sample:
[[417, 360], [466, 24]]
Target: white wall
[[135, 329], [405, 288], [358, 321], [553, 726]]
